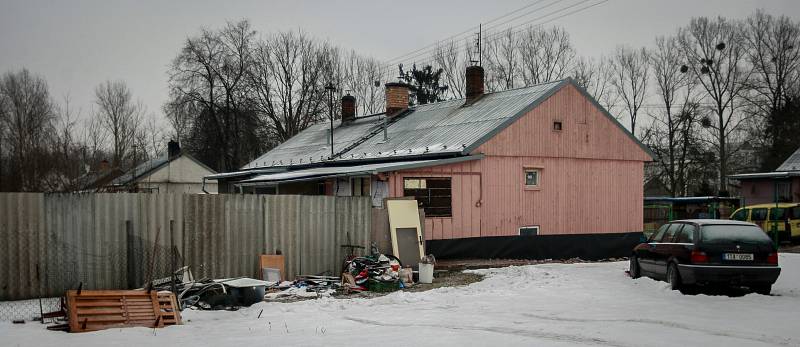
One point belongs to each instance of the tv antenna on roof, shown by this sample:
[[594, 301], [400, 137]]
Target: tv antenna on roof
[[476, 52]]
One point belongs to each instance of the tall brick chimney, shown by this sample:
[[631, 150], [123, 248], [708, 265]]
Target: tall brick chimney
[[474, 83], [104, 166], [173, 149], [348, 108], [396, 98]]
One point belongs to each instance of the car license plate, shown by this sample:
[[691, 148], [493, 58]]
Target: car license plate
[[737, 256]]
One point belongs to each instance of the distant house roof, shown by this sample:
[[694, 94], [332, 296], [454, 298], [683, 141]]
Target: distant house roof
[[792, 163], [96, 180], [150, 166], [447, 128], [789, 168]]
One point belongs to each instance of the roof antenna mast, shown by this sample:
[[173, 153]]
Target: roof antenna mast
[[477, 49], [330, 88]]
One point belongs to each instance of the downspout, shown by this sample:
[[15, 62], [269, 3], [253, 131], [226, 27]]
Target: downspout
[[204, 186]]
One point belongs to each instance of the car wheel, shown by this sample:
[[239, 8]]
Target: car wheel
[[673, 277], [634, 271], [763, 289]]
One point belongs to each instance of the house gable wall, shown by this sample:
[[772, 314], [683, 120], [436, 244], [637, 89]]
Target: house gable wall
[[586, 132], [591, 176], [182, 175]]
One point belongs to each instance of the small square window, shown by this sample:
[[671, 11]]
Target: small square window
[[532, 178], [529, 231], [557, 126]]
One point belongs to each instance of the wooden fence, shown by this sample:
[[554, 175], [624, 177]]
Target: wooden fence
[[53, 242]]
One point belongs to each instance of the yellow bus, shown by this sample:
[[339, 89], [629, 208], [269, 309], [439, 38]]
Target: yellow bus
[[784, 216]]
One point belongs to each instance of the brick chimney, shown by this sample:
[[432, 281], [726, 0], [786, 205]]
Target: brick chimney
[[104, 166], [348, 108], [396, 98], [173, 149], [474, 83]]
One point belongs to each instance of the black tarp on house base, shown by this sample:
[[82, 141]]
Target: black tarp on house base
[[584, 246]]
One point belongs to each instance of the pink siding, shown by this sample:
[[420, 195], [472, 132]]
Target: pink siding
[[586, 133], [466, 191], [577, 196], [591, 176], [762, 191]]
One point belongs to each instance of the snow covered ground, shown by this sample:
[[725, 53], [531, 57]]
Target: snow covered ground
[[541, 305]]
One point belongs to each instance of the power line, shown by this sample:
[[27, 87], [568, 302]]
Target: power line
[[430, 52], [497, 35], [401, 57]]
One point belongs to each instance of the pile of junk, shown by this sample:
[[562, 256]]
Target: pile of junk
[[211, 294], [374, 273], [377, 273]]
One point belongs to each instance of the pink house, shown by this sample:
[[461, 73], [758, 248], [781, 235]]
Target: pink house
[[539, 171], [783, 184]]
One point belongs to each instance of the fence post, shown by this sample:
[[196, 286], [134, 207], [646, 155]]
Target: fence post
[[172, 254], [130, 255]]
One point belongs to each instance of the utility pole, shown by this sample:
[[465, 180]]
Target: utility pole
[[133, 170], [330, 88]]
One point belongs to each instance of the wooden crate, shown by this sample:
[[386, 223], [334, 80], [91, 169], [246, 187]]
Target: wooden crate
[[91, 310]]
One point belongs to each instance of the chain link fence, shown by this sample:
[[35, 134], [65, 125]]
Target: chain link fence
[[69, 266]]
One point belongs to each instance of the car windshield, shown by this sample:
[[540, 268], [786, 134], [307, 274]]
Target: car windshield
[[734, 233]]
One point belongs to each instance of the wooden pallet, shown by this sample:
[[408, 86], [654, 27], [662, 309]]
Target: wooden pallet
[[91, 310], [168, 305]]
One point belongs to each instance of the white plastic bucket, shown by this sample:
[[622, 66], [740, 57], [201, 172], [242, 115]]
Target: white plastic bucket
[[425, 273]]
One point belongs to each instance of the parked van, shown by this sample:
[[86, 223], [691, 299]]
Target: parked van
[[786, 216]]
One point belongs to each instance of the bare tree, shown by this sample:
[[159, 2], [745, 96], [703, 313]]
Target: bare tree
[[674, 121], [94, 141], [453, 62], [501, 58], [360, 77], [715, 54], [630, 77], [546, 54], [63, 147], [774, 53], [288, 77], [27, 116], [119, 116], [180, 114], [212, 73], [595, 76]]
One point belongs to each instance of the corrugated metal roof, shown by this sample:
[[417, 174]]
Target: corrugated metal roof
[[312, 145], [367, 169], [141, 170], [447, 127], [450, 126], [791, 164]]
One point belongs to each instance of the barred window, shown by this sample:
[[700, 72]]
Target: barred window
[[434, 195]]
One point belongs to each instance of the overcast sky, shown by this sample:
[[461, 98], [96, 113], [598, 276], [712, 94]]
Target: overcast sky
[[77, 44]]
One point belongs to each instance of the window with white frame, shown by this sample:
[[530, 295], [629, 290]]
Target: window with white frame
[[532, 177]]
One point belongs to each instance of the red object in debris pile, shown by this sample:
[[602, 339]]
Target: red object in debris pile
[[395, 267]]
